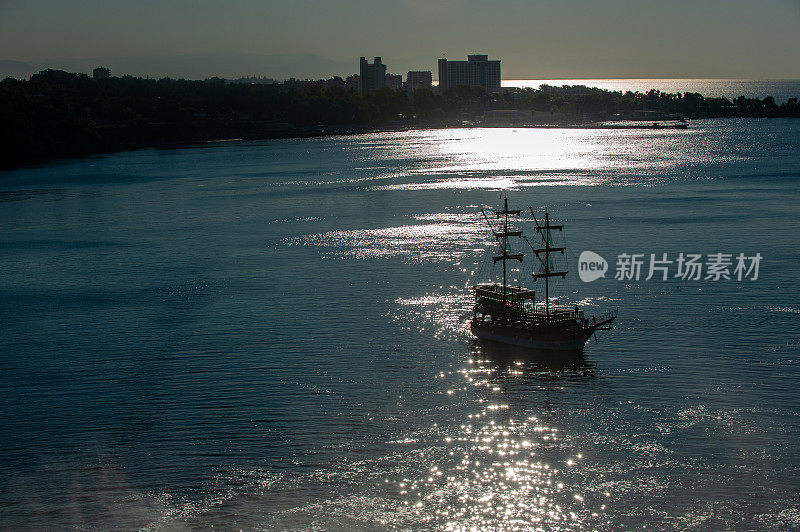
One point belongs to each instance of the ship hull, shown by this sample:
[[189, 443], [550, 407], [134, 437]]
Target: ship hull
[[529, 339]]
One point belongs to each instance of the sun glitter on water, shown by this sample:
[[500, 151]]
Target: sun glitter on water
[[499, 470]]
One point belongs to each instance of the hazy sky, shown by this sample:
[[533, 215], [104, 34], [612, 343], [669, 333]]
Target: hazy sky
[[304, 38]]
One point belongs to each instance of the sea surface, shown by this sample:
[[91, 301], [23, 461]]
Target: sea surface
[[273, 336], [780, 89]]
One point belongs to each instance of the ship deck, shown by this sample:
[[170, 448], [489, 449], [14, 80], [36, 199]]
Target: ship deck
[[510, 304]]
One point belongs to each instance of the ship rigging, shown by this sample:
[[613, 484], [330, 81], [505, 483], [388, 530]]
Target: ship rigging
[[509, 313]]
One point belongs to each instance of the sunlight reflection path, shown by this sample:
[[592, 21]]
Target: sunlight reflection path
[[501, 469], [511, 158]]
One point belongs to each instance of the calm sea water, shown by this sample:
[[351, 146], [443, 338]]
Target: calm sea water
[[272, 335], [780, 89]]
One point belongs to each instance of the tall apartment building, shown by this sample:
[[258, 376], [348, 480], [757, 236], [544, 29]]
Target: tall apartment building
[[394, 81], [477, 70], [418, 79], [373, 75]]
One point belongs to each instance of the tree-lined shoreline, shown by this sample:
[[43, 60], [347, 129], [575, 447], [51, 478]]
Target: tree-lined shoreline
[[56, 114]]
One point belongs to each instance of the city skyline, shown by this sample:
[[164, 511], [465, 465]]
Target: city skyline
[[576, 39]]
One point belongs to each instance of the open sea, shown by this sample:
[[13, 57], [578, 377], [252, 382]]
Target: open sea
[[273, 336]]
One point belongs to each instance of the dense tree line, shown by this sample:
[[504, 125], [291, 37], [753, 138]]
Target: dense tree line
[[597, 104], [60, 114]]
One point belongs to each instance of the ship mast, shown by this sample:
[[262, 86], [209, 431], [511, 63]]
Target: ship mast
[[502, 239], [547, 267]]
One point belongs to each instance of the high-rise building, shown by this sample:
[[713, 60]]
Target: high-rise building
[[477, 70], [373, 75], [394, 81], [101, 73], [418, 79]]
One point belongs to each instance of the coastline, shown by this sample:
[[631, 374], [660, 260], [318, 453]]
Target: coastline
[[61, 115]]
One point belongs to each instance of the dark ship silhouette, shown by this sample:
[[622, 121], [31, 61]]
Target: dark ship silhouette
[[510, 314]]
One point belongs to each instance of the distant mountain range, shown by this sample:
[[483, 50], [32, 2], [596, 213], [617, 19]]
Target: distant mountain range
[[17, 69], [195, 66]]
